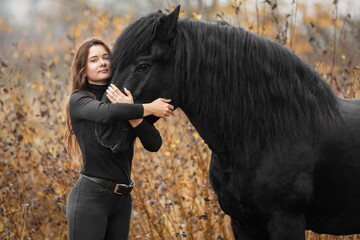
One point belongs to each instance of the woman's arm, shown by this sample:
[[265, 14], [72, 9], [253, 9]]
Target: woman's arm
[[82, 106], [147, 133], [159, 108], [149, 136]]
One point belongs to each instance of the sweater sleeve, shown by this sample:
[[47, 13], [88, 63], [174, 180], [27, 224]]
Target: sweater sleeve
[[149, 136], [83, 106]]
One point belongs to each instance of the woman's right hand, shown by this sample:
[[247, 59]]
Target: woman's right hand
[[116, 96], [159, 108]]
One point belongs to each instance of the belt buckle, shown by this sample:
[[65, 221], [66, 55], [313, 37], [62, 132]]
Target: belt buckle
[[117, 188], [127, 187]]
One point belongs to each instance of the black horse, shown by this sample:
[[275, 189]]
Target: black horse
[[285, 150]]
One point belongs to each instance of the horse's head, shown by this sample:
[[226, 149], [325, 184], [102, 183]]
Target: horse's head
[[141, 63], [148, 74]]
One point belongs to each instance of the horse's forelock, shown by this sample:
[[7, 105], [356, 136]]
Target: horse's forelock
[[135, 39]]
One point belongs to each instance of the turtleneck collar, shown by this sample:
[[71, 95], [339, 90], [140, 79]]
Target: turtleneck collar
[[98, 90]]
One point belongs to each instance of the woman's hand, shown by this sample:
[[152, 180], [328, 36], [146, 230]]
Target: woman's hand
[[116, 96], [159, 108]]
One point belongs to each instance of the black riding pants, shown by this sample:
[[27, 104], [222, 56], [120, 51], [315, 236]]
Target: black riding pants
[[95, 212]]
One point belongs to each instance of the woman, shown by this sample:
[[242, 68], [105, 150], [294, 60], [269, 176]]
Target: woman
[[99, 205]]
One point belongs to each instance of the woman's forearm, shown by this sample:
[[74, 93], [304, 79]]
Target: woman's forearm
[[149, 136]]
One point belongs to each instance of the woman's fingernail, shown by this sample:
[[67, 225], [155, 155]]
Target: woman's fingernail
[[125, 88]]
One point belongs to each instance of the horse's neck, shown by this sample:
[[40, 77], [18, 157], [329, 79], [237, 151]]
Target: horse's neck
[[204, 128]]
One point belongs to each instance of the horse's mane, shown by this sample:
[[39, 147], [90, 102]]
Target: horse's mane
[[259, 89], [253, 91]]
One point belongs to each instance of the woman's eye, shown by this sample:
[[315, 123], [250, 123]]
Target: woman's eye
[[142, 68]]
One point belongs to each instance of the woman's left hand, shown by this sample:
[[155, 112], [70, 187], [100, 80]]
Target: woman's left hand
[[116, 96]]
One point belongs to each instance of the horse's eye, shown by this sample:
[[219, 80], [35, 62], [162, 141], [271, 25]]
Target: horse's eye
[[142, 68]]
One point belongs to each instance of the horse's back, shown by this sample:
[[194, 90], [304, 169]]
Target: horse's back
[[336, 208]]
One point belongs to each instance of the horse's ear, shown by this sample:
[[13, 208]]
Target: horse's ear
[[168, 25]]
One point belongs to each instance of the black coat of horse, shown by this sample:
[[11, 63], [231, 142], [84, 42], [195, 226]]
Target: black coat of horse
[[285, 150]]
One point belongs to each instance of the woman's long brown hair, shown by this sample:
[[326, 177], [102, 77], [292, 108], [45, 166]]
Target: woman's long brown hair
[[78, 82]]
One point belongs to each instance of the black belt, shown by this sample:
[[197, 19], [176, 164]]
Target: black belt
[[117, 188]]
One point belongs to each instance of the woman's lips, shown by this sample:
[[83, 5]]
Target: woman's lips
[[104, 70]]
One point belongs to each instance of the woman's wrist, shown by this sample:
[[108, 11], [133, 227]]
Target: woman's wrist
[[148, 110], [135, 122]]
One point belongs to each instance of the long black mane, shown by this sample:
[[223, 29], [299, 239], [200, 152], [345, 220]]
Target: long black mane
[[255, 90]]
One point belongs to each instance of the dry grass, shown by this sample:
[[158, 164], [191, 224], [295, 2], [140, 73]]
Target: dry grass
[[173, 198]]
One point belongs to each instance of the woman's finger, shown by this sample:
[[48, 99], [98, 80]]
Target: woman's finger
[[112, 94], [115, 90], [111, 98], [128, 93], [165, 100], [116, 97], [109, 92]]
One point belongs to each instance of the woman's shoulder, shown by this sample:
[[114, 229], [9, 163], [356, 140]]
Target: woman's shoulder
[[78, 95]]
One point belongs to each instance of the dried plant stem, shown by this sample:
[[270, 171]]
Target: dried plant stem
[[170, 219], [274, 7], [257, 18], [37, 222], [6, 226], [182, 207], [148, 215], [336, 8], [246, 14], [293, 22], [263, 21], [201, 162]]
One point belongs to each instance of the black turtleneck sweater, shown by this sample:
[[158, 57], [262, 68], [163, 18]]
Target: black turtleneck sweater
[[99, 161]]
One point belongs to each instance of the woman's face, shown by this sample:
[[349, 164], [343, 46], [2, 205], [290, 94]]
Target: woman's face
[[97, 68]]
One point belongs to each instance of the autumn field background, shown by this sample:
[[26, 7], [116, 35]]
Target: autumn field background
[[172, 198]]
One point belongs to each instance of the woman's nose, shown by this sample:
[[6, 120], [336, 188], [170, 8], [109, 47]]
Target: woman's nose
[[102, 62]]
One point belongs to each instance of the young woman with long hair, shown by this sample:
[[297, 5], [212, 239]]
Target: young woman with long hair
[[99, 205]]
